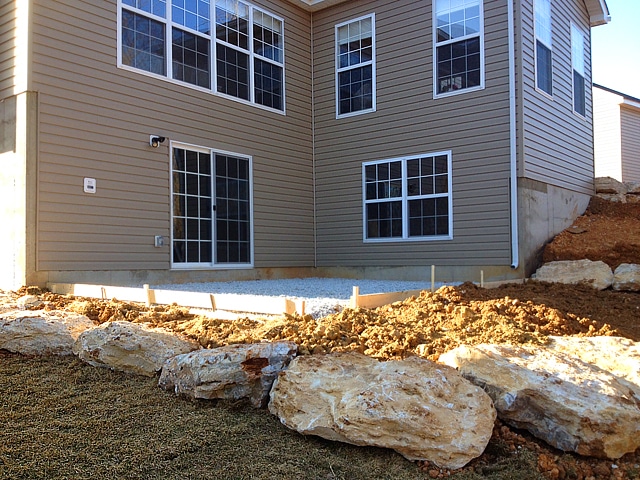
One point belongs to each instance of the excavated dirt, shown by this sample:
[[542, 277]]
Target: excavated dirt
[[436, 322]]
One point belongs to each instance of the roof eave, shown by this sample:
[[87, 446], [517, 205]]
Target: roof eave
[[598, 12]]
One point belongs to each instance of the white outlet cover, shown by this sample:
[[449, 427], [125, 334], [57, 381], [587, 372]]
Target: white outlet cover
[[89, 185]]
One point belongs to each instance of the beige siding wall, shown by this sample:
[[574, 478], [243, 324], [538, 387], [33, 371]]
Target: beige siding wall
[[408, 120], [95, 121], [630, 130], [7, 48], [549, 126], [606, 134]]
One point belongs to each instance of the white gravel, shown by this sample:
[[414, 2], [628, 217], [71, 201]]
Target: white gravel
[[322, 296]]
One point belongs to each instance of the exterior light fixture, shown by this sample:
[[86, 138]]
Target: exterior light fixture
[[155, 140]]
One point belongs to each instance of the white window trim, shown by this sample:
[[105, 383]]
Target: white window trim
[[434, 50], [372, 63], [575, 27], [212, 265], [212, 55], [535, 52], [405, 200]]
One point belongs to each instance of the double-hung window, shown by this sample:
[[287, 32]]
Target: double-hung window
[[408, 198], [544, 70], [211, 209], [577, 62], [227, 46], [355, 66], [459, 46]]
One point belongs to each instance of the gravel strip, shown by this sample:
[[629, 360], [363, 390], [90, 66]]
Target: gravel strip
[[322, 296]]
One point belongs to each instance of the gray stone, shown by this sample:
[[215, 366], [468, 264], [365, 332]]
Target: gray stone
[[626, 277], [422, 410], [609, 185], [232, 372]]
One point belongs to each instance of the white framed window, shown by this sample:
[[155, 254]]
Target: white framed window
[[459, 46], [543, 53], [226, 46], [211, 208], [355, 66], [408, 198], [578, 70]]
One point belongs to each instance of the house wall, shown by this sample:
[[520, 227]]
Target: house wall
[[555, 149], [95, 120], [8, 32], [408, 120], [630, 144], [607, 134]]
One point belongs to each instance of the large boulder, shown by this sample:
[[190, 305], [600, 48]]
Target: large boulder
[[570, 404], [626, 277], [422, 410], [597, 274], [232, 372], [609, 185], [130, 347], [41, 333], [617, 355]]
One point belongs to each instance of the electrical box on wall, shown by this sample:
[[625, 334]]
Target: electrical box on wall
[[89, 185], [158, 241]]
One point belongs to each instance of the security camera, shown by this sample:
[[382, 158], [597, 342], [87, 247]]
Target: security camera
[[155, 140]]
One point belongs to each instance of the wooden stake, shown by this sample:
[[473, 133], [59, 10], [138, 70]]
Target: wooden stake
[[354, 297], [433, 278]]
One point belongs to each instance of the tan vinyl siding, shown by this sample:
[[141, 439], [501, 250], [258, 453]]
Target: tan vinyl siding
[[606, 134], [95, 121], [630, 130], [409, 121], [8, 34], [549, 125]]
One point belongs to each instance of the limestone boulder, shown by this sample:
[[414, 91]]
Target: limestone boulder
[[633, 188], [232, 372], [41, 333], [570, 404], [609, 185], [422, 410], [130, 347], [626, 277], [618, 356], [597, 274]]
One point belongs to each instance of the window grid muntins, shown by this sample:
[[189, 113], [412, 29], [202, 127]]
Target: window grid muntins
[[544, 67], [249, 52], [355, 62], [408, 198], [458, 40], [192, 204]]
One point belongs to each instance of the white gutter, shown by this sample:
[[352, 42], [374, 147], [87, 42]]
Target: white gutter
[[513, 153]]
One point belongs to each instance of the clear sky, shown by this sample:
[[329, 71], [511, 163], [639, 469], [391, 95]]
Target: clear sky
[[616, 48]]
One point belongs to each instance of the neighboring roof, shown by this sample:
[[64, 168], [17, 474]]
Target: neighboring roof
[[627, 99], [598, 10]]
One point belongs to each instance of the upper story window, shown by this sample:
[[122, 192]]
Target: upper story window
[[459, 46], [187, 40], [577, 62], [408, 198], [355, 66], [544, 76]]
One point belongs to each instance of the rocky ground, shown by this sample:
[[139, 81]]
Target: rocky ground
[[434, 323]]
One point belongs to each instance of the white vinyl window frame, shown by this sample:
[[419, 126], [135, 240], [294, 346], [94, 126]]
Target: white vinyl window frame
[[213, 264], [464, 33], [166, 19], [357, 66], [543, 45], [578, 71], [400, 193]]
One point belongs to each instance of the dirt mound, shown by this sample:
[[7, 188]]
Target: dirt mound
[[608, 231]]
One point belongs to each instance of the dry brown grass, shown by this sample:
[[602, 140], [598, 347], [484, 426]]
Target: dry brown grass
[[63, 419]]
